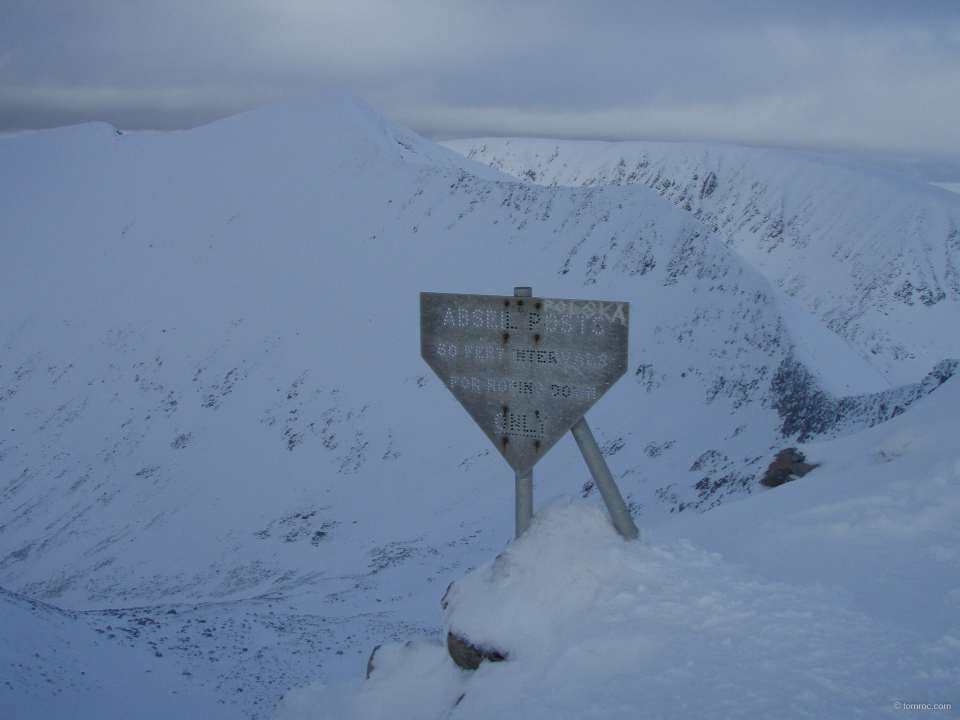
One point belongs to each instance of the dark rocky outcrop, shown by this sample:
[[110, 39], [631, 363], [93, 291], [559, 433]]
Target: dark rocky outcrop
[[469, 656], [370, 664], [808, 411], [787, 465]]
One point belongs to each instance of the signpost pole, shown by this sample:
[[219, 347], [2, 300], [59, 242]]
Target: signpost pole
[[524, 483], [604, 480], [524, 502]]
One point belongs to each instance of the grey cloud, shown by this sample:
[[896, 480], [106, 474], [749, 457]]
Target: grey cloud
[[857, 76]]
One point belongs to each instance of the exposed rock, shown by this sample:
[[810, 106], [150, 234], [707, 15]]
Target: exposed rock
[[808, 411], [370, 663], [469, 657], [786, 465]]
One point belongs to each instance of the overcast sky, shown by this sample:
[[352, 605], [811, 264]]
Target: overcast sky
[[869, 79]]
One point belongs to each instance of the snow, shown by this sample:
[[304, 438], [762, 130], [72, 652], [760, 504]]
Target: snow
[[834, 596], [55, 664], [225, 468], [860, 249], [880, 519]]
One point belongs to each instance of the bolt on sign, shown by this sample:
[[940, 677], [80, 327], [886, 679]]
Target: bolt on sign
[[525, 368]]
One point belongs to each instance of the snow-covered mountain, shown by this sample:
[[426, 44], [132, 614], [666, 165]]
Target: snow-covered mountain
[[870, 254], [219, 444]]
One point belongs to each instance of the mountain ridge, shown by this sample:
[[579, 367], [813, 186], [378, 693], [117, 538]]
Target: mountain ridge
[[884, 246]]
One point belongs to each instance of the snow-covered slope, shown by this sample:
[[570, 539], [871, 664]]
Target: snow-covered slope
[[835, 596], [871, 254], [56, 664], [212, 346], [212, 400]]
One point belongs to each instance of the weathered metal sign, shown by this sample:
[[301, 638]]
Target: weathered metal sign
[[525, 368]]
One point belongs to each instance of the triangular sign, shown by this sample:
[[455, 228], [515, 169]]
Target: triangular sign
[[525, 368]]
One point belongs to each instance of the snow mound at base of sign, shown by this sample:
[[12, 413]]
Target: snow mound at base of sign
[[593, 625]]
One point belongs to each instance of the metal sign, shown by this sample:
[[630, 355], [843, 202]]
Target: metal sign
[[525, 368]]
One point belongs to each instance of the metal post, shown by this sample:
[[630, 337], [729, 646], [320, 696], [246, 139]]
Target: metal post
[[524, 502], [604, 480], [524, 484]]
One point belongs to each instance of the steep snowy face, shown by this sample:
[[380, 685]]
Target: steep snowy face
[[874, 256], [210, 382]]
